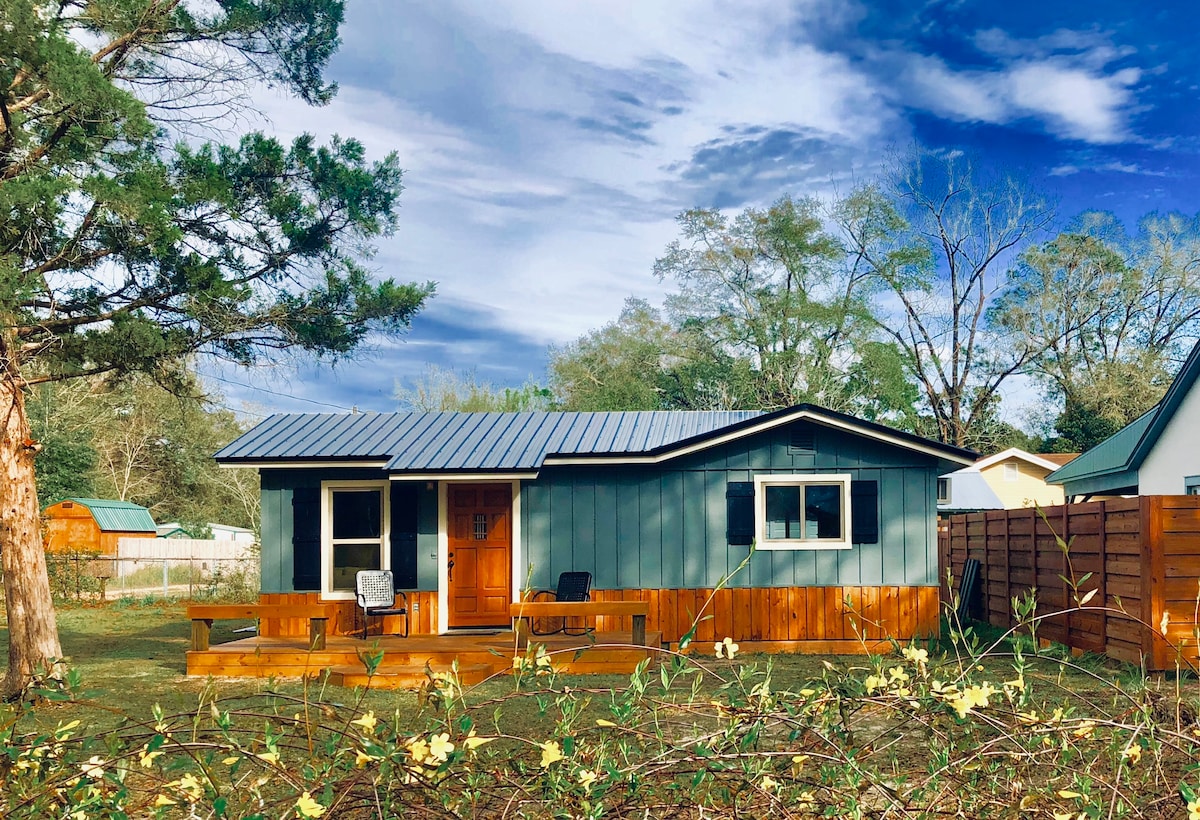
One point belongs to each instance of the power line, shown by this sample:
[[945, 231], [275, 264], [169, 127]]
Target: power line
[[276, 392]]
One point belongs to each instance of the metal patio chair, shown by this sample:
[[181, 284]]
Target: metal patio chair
[[376, 596], [572, 587]]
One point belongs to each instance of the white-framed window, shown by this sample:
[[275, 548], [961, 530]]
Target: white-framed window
[[354, 533], [943, 496], [1012, 471], [796, 512]]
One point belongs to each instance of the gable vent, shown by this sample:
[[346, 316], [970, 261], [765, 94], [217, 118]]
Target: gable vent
[[802, 439]]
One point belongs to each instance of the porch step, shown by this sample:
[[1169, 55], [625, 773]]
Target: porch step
[[405, 677]]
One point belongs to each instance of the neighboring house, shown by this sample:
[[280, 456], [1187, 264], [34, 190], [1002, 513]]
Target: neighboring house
[[1005, 481], [219, 532], [94, 525], [470, 508], [1154, 455]]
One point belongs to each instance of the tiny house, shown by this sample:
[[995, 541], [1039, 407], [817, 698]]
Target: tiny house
[[93, 525], [802, 527]]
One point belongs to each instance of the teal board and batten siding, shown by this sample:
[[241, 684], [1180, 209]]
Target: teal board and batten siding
[[664, 526], [276, 496]]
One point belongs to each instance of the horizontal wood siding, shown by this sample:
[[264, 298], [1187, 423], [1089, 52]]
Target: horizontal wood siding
[[663, 526], [344, 618], [1143, 556], [781, 615]]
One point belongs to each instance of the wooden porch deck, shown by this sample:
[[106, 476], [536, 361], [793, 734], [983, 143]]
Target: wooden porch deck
[[479, 657]]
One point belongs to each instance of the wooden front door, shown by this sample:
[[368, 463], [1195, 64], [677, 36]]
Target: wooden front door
[[480, 556]]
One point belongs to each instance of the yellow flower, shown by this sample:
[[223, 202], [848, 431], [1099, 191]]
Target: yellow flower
[[367, 722], [472, 742], [64, 732], [163, 800], [1165, 622], [1193, 808], [874, 682], [586, 778], [270, 757], [307, 807], [146, 757], [603, 722], [94, 767], [361, 758], [418, 750], [768, 783], [898, 674], [1132, 753], [190, 785], [229, 761], [730, 648], [440, 747], [918, 656], [551, 753], [1068, 794], [1086, 729]]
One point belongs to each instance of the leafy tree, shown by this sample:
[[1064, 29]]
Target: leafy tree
[[938, 235], [122, 249], [1109, 312], [769, 290], [440, 389]]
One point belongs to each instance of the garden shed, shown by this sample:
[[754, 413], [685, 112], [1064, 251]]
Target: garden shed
[[469, 509], [94, 525]]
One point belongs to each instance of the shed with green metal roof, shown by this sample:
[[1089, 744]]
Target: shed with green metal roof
[[94, 525]]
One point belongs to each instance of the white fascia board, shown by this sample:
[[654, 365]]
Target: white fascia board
[[1015, 452], [482, 478], [753, 430]]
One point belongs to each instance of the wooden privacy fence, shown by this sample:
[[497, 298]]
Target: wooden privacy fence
[[1143, 555]]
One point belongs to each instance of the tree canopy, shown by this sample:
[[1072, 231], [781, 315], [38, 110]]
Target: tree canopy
[[130, 241]]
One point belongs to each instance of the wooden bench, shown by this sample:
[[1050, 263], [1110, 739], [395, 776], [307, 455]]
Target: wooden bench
[[524, 612], [203, 615]]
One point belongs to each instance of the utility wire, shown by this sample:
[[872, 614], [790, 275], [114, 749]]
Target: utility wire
[[276, 392]]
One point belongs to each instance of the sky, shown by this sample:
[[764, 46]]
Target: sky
[[549, 146]]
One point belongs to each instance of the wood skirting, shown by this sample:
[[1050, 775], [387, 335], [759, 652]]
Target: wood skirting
[[816, 619]]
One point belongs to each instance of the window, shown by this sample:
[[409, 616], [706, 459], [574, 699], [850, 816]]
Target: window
[[802, 511], [1012, 471], [1191, 484], [943, 490], [355, 534]]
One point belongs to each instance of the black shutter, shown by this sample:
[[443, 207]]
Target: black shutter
[[739, 512], [404, 502], [306, 539], [864, 510]]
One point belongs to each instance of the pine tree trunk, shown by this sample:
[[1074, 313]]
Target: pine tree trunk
[[33, 646]]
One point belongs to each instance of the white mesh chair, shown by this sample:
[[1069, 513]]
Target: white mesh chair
[[376, 596]]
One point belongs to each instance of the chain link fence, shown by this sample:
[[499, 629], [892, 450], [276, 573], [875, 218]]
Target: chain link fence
[[81, 576]]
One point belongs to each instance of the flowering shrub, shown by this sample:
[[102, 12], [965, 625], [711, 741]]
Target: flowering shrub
[[959, 728]]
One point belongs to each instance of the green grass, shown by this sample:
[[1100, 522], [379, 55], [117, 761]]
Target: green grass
[[131, 656]]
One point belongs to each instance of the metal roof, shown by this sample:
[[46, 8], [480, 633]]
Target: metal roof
[[969, 490], [469, 441], [1112, 464], [509, 442], [118, 516]]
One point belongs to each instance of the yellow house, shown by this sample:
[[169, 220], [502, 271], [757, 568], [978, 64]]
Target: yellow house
[[1005, 481]]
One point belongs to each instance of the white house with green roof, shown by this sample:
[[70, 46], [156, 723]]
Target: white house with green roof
[[1156, 454]]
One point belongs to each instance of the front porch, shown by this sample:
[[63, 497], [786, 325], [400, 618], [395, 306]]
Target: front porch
[[479, 656]]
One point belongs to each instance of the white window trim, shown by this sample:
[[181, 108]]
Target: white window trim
[[385, 558], [943, 499], [761, 482]]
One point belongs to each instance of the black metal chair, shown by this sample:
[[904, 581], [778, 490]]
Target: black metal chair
[[572, 587], [376, 596]]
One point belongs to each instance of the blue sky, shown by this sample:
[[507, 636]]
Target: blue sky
[[549, 146]]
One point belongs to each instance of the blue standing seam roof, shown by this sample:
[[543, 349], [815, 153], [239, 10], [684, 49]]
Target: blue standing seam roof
[[470, 441]]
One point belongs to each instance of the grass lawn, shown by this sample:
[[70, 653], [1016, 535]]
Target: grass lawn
[[131, 657]]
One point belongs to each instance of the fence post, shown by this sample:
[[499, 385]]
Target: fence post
[[166, 577]]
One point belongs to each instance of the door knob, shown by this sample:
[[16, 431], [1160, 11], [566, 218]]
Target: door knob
[[450, 571]]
